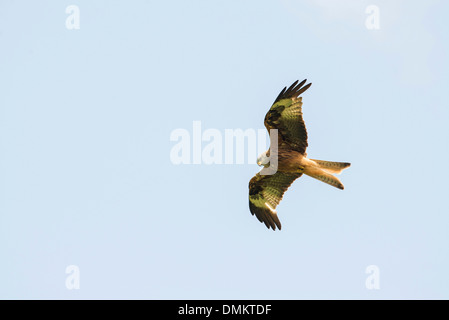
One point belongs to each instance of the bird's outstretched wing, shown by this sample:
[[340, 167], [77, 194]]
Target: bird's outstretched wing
[[286, 115], [265, 193]]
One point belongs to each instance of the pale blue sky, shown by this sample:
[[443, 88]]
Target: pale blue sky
[[85, 171]]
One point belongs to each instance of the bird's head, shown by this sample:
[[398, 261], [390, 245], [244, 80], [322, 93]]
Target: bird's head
[[263, 159]]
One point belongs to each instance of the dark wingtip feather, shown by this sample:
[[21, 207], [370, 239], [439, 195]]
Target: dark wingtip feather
[[292, 86], [294, 91], [303, 89], [280, 95], [271, 221], [276, 221]]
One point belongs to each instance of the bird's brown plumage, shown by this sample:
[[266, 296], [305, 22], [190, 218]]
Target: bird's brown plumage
[[267, 190], [285, 115]]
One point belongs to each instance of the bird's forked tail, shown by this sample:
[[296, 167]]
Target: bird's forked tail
[[324, 170]]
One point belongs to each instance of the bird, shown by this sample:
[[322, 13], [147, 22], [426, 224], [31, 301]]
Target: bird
[[286, 159]]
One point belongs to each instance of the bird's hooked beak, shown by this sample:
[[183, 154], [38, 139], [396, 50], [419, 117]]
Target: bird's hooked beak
[[263, 163], [263, 160]]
